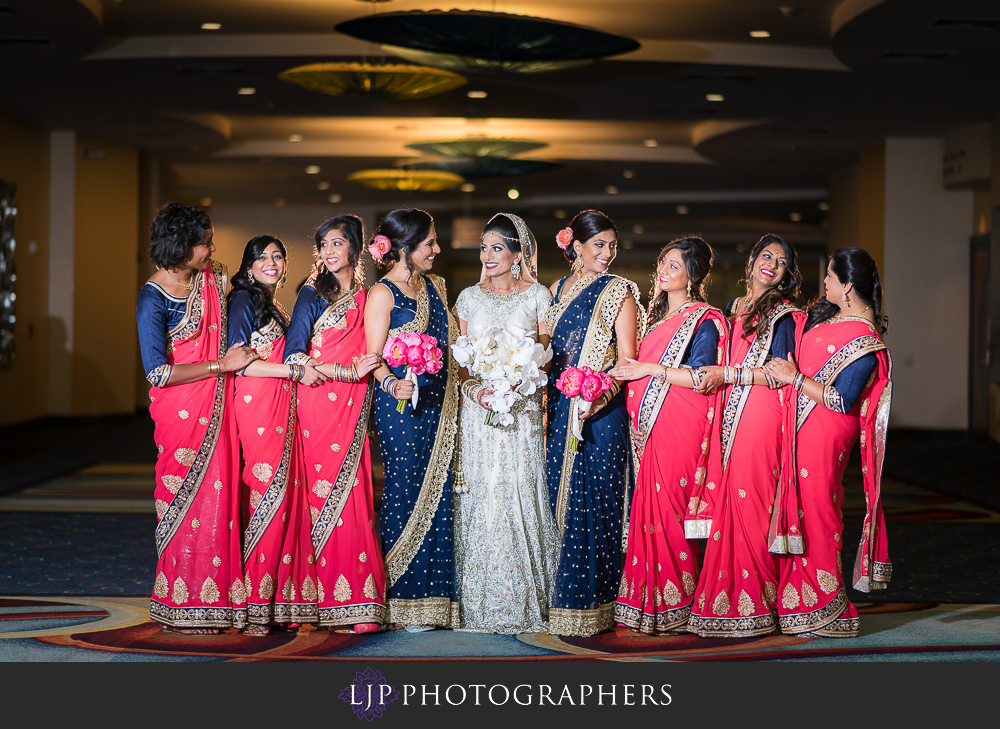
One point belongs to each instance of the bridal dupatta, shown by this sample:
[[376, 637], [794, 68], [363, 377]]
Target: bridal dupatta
[[807, 516], [279, 576], [198, 583], [671, 429], [334, 422]]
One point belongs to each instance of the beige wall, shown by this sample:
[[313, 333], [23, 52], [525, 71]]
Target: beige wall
[[24, 161], [926, 280], [105, 272]]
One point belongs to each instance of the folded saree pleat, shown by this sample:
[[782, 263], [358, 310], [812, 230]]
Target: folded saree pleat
[[199, 582], [279, 574], [670, 428]]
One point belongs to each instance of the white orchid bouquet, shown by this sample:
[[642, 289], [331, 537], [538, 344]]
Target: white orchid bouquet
[[509, 362]]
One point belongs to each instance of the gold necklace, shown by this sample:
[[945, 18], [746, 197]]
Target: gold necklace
[[503, 291], [840, 315], [187, 287]]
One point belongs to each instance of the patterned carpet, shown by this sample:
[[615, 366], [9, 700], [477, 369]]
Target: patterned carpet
[[77, 559]]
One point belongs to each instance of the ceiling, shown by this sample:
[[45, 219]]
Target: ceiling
[[833, 77]]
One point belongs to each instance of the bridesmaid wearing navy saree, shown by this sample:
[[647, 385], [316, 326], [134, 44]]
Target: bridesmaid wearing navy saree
[[595, 320], [417, 445]]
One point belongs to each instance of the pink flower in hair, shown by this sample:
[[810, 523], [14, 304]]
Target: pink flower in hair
[[564, 237], [379, 246]]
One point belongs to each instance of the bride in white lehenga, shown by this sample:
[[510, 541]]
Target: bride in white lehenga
[[506, 540]]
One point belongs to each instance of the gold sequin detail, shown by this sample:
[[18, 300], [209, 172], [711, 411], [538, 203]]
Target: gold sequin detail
[[161, 586], [684, 482], [320, 593], [684, 556], [217, 485], [287, 559], [195, 523], [745, 574], [172, 483], [745, 606], [671, 595], [217, 561], [335, 447], [305, 433], [260, 431], [789, 598], [808, 595], [209, 591], [255, 499], [183, 414], [236, 593], [266, 587], [342, 590], [203, 420], [313, 514], [332, 396], [742, 493], [721, 604], [623, 587], [830, 348], [836, 536], [827, 582], [699, 476], [322, 489], [688, 583], [363, 557], [180, 593], [711, 486], [263, 472], [803, 473], [247, 398], [308, 590], [717, 535], [185, 456], [770, 593], [161, 508], [288, 591]]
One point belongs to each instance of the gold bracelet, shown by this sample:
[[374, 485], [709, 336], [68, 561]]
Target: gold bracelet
[[214, 367]]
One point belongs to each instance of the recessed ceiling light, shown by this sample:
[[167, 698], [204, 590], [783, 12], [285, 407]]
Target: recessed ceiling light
[[628, 243], [650, 143], [682, 210], [759, 34], [247, 91], [206, 202], [312, 170], [714, 97], [335, 198], [323, 186], [294, 137], [559, 214], [476, 94], [468, 187], [795, 217], [628, 174], [824, 206], [513, 194], [211, 26], [638, 229], [611, 190], [280, 202]]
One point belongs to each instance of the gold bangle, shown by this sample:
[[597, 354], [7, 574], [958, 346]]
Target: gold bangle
[[214, 367]]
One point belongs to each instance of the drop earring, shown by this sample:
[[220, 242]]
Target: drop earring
[[515, 271], [689, 288]]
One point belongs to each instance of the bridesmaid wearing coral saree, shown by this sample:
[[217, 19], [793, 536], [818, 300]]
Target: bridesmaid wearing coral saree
[[278, 570], [181, 317], [327, 331], [842, 380], [737, 590], [671, 428]]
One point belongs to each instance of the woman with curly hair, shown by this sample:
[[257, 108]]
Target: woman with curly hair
[[279, 575], [842, 386], [417, 444], [181, 317], [672, 436], [737, 591], [594, 321], [327, 332]]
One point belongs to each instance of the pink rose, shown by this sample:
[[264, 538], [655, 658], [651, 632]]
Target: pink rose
[[394, 352], [434, 366], [570, 381], [379, 246], [606, 381], [416, 356], [590, 388], [564, 237], [410, 339]]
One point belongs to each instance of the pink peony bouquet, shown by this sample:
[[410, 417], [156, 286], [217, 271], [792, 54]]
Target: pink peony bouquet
[[420, 354], [584, 385]]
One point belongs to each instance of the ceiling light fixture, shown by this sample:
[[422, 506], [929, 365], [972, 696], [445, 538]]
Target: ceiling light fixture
[[638, 229], [294, 137], [206, 202], [247, 91], [407, 180], [323, 186], [682, 210], [513, 194], [611, 190], [714, 97], [335, 198], [468, 187], [795, 217], [211, 26], [759, 34], [559, 214], [312, 170], [477, 147], [483, 41], [824, 206], [396, 82], [628, 174], [650, 143], [477, 94]]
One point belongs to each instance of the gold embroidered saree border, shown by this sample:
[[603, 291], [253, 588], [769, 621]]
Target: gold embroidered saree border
[[275, 493], [565, 621], [751, 626], [841, 359], [662, 621], [282, 612], [363, 612], [337, 310], [425, 611], [815, 619], [755, 357], [197, 617], [418, 324], [398, 558], [347, 478]]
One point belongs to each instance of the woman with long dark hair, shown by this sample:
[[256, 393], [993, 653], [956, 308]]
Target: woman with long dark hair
[[594, 321], [181, 317], [417, 445], [841, 380], [672, 439], [278, 570], [327, 331], [736, 593], [506, 541]]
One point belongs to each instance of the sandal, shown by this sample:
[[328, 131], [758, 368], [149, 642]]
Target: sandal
[[260, 630]]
